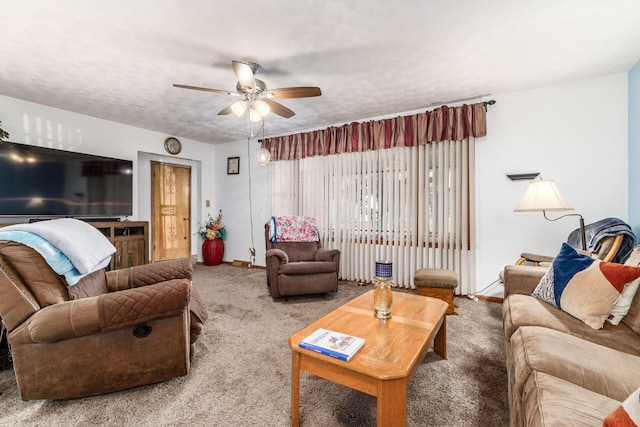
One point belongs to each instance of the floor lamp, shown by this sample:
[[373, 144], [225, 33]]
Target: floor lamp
[[543, 195]]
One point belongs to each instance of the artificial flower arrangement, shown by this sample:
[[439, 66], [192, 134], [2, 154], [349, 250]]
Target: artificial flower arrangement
[[213, 228], [3, 133]]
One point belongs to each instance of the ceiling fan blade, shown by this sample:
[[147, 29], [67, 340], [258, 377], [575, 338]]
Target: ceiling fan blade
[[279, 109], [225, 111], [295, 92], [244, 74], [226, 92]]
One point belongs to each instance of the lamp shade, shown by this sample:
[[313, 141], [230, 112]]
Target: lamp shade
[[239, 107], [263, 156], [262, 108], [542, 195], [254, 116]]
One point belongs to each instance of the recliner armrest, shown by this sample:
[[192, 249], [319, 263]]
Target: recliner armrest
[[279, 254], [66, 320], [116, 310], [149, 274], [133, 306]]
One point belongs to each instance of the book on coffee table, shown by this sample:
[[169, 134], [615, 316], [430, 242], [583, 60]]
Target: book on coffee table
[[334, 344]]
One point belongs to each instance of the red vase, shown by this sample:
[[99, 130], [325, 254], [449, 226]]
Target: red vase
[[212, 251]]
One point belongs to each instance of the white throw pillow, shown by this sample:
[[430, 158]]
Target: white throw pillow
[[623, 304]]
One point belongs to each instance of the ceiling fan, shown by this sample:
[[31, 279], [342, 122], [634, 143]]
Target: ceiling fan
[[254, 94]]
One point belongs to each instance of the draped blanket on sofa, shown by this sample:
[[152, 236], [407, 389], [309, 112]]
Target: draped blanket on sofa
[[72, 248], [293, 228]]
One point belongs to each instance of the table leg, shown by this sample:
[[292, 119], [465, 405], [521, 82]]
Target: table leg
[[440, 341], [295, 389], [392, 403]]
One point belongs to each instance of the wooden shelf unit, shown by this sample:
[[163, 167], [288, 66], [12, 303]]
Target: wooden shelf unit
[[131, 239]]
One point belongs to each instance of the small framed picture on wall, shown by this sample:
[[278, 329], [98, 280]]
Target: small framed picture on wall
[[233, 165]]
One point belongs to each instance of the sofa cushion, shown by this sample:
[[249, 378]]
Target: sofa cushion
[[627, 414], [584, 287], [632, 319], [306, 284], [600, 369], [550, 401], [91, 285], [524, 310]]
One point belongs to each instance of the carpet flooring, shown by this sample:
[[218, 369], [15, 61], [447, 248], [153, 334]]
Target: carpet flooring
[[241, 373]]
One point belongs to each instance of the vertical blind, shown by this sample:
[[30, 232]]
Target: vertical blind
[[411, 205]]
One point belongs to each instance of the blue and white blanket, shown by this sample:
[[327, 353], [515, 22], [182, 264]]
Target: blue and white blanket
[[595, 232], [71, 247]]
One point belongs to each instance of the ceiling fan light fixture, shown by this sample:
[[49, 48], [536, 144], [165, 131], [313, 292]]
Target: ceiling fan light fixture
[[254, 95], [254, 116], [239, 108], [262, 108], [263, 156]]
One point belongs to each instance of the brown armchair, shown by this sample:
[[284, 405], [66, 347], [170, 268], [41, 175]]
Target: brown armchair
[[300, 268], [113, 330]]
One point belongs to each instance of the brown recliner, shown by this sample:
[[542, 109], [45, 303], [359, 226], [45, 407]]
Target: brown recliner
[[300, 268], [112, 331]]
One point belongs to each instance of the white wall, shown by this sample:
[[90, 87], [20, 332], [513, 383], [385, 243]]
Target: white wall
[[575, 134], [236, 202], [36, 124]]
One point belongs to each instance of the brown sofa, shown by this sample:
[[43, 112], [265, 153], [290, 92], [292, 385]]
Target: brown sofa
[[300, 268], [560, 370], [112, 331]]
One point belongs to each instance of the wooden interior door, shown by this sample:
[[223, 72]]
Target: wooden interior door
[[170, 211]]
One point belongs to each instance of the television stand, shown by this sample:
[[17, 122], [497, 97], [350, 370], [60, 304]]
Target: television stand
[[131, 239], [115, 219]]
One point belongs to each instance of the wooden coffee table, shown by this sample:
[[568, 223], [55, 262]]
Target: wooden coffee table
[[386, 364]]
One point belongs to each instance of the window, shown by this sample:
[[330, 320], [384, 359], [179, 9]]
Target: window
[[411, 205]]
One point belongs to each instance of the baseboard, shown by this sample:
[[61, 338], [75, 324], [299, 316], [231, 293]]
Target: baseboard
[[245, 264], [239, 263], [490, 299]]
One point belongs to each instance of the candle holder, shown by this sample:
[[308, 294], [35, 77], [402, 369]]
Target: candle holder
[[382, 295]]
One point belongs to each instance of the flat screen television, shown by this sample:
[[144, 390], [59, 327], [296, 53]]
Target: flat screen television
[[44, 182]]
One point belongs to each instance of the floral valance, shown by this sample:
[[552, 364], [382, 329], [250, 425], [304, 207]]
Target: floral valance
[[442, 124]]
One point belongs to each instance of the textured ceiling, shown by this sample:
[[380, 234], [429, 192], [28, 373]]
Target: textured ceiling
[[118, 59]]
